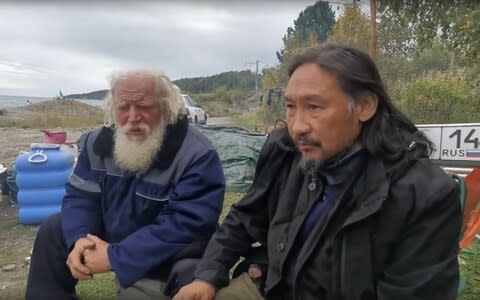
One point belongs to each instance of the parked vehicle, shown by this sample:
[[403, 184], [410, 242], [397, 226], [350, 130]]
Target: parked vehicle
[[195, 112]]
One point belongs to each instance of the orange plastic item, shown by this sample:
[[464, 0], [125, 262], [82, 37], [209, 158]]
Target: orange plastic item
[[471, 211]]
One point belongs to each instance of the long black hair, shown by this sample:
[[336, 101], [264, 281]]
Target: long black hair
[[389, 134]]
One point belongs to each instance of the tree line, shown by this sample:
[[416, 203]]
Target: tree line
[[238, 81], [428, 53]]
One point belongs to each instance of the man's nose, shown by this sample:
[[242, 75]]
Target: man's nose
[[133, 115], [299, 126]]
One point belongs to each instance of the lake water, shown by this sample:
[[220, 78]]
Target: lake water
[[15, 101]]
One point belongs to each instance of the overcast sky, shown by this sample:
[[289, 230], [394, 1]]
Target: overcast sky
[[74, 47]]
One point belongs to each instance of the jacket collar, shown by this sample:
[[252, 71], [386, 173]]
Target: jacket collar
[[345, 168], [284, 141], [174, 136], [371, 190], [373, 183]]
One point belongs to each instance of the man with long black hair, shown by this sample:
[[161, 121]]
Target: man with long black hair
[[346, 203]]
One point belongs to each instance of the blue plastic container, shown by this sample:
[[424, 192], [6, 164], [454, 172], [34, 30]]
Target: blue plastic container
[[41, 175]]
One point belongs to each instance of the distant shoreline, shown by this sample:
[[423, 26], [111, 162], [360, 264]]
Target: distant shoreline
[[19, 101]]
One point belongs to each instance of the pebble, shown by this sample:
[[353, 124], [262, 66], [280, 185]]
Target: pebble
[[9, 267]]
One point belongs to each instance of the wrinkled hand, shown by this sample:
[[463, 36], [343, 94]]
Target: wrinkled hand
[[197, 290], [96, 258], [75, 260]]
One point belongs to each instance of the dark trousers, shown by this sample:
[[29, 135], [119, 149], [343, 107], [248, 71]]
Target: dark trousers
[[49, 277]]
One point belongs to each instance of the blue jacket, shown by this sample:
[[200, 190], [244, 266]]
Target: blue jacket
[[147, 217]]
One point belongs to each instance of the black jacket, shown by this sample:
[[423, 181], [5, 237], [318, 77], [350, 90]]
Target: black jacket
[[392, 234]]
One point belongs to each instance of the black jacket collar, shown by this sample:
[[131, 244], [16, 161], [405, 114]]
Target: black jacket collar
[[174, 136]]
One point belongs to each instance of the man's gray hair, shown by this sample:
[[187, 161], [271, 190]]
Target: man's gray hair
[[166, 93]]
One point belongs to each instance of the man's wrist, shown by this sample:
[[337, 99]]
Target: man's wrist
[[206, 282]]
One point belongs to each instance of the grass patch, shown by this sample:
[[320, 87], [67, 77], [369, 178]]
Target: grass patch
[[53, 120], [222, 101], [470, 269], [247, 120], [103, 286]]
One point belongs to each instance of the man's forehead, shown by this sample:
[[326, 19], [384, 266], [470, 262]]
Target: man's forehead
[[134, 86], [131, 95]]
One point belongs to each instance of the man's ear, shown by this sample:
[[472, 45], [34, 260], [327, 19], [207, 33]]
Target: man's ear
[[366, 107]]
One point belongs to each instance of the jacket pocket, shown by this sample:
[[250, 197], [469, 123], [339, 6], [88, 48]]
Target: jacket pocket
[[150, 204]]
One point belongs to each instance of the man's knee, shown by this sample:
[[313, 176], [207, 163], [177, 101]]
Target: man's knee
[[144, 289], [50, 231], [180, 275], [52, 223], [240, 288]]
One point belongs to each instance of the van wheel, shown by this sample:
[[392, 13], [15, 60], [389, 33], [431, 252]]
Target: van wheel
[[196, 120]]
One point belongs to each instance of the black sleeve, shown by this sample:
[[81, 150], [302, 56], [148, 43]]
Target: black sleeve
[[247, 221]]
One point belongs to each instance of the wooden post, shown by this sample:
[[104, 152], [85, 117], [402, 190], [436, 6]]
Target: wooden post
[[373, 29]]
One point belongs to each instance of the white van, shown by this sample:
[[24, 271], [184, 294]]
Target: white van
[[195, 112]]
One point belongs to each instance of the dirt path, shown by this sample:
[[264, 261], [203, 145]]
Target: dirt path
[[219, 121]]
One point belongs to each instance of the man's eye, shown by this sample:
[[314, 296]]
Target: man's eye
[[314, 107]]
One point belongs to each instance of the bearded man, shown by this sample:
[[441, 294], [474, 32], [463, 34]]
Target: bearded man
[[145, 196]]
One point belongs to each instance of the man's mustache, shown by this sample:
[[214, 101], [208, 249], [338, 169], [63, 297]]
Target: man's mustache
[[142, 126], [307, 140]]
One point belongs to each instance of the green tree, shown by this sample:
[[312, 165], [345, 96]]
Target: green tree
[[273, 79], [398, 70], [466, 38], [455, 22], [395, 36], [434, 58], [241, 80], [352, 28], [440, 97], [313, 22]]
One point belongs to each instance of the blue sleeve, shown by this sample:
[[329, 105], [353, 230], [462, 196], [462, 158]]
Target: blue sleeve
[[194, 206], [81, 208]]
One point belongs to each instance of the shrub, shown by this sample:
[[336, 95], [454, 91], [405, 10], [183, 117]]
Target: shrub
[[439, 98]]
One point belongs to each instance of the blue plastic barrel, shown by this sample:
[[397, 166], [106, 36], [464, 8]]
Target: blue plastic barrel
[[41, 175]]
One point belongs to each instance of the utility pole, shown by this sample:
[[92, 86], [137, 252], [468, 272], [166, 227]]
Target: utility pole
[[373, 29], [256, 76]]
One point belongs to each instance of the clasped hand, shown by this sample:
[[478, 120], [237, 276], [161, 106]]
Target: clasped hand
[[89, 256]]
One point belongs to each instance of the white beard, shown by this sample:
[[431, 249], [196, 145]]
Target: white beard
[[138, 155]]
